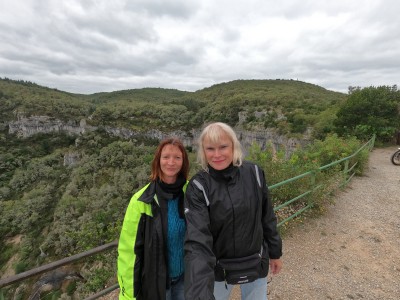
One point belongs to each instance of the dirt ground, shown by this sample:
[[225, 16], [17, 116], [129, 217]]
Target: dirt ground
[[351, 252]]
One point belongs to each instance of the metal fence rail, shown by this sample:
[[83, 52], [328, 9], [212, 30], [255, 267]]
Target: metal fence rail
[[59, 263], [348, 173]]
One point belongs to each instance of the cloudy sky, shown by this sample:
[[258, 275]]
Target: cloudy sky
[[88, 46]]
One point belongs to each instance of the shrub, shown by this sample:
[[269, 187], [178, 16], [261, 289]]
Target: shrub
[[20, 267], [314, 184]]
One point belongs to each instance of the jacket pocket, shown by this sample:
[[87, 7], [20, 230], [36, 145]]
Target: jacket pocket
[[264, 265]]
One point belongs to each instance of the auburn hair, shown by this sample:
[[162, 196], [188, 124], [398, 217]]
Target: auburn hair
[[156, 172]]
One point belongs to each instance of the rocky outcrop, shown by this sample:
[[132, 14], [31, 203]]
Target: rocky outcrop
[[55, 280], [125, 133], [25, 127], [71, 159], [270, 137]]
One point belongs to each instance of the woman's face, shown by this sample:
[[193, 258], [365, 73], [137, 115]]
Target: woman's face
[[219, 155], [171, 162]]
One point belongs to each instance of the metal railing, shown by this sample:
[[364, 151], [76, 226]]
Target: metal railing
[[59, 263], [348, 172]]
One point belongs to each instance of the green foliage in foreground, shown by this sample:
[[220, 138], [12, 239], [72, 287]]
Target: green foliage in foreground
[[63, 210], [310, 159], [319, 153], [59, 209]]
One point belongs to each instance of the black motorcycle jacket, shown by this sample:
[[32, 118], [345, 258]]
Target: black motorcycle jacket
[[229, 215]]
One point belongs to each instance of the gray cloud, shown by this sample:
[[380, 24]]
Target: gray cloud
[[94, 46], [163, 8]]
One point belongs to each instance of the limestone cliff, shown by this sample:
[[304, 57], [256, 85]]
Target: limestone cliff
[[27, 126]]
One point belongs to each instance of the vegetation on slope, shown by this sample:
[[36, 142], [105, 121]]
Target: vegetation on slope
[[290, 106], [61, 209]]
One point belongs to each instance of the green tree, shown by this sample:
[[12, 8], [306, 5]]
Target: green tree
[[370, 110]]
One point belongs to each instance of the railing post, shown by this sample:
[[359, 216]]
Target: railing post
[[346, 169], [310, 201], [372, 142]]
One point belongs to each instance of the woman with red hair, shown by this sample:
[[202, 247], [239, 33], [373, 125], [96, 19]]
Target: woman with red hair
[[150, 248]]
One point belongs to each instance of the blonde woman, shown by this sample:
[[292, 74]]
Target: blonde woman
[[232, 236]]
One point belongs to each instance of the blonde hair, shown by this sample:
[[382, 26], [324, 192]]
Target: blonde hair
[[213, 133]]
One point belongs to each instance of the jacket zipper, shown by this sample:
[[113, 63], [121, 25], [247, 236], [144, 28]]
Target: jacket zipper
[[233, 223], [158, 247]]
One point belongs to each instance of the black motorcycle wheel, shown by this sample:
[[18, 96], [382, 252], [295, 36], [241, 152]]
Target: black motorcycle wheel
[[396, 158]]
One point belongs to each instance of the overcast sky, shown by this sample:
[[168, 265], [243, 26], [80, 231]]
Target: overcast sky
[[88, 46]]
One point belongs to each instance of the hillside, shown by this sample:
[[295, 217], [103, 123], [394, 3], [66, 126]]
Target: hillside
[[290, 106], [65, 186], [31, 99]]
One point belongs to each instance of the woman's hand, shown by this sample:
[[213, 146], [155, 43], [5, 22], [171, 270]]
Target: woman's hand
[[275, 265]]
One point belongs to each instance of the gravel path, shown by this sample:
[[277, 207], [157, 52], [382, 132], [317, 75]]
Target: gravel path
[[353, 251]]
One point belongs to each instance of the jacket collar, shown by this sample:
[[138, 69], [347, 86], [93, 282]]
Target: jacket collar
[[226, 174], [150, 193]]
